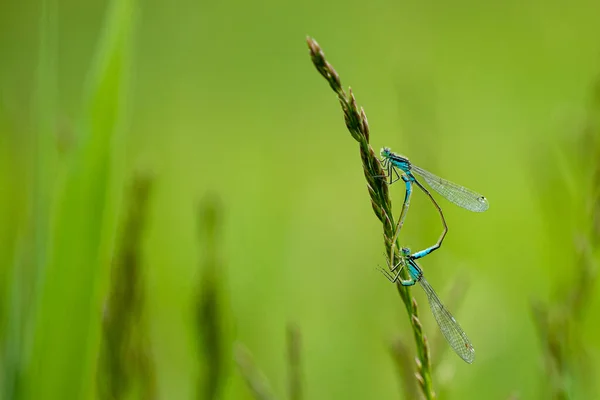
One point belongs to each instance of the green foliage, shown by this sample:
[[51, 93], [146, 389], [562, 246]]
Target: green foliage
[[72, 275], [221, 98]]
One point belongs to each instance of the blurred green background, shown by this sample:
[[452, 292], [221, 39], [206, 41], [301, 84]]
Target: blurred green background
[[218, 107]]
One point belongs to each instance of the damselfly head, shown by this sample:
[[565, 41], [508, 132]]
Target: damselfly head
[[385, 152], [405, 251]]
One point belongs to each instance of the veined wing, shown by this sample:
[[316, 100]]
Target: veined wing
[[459, 195], [453, 333]]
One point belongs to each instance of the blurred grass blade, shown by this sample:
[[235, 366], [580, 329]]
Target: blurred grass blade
[[402, 358], [255, 379], [31, 250], [46, 110], [68, 320], [561, 322]]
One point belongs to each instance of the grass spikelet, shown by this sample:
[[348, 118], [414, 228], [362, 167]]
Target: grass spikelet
[[358, 126]]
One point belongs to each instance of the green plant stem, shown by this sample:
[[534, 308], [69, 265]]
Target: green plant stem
[[357, 124], [400, 355], [256, 381], [209, 307], [559, 322], [294, 364]]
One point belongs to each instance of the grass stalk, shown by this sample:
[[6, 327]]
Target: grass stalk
[[559, 322], [294, 363], [257, 382], [125, 363], [357, 124], [209, 307], [255, 379], [400, 354]]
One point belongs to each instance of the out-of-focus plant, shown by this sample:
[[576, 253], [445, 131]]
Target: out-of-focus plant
[[126, 365], [211, 307], [560, 321]]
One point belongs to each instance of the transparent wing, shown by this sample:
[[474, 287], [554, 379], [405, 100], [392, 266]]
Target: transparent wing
[[459, 195], [453, 333]]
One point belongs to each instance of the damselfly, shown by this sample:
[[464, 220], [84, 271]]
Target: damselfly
[[457, 194], [455, 336]]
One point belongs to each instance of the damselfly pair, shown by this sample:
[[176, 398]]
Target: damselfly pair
[[458, 195]]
